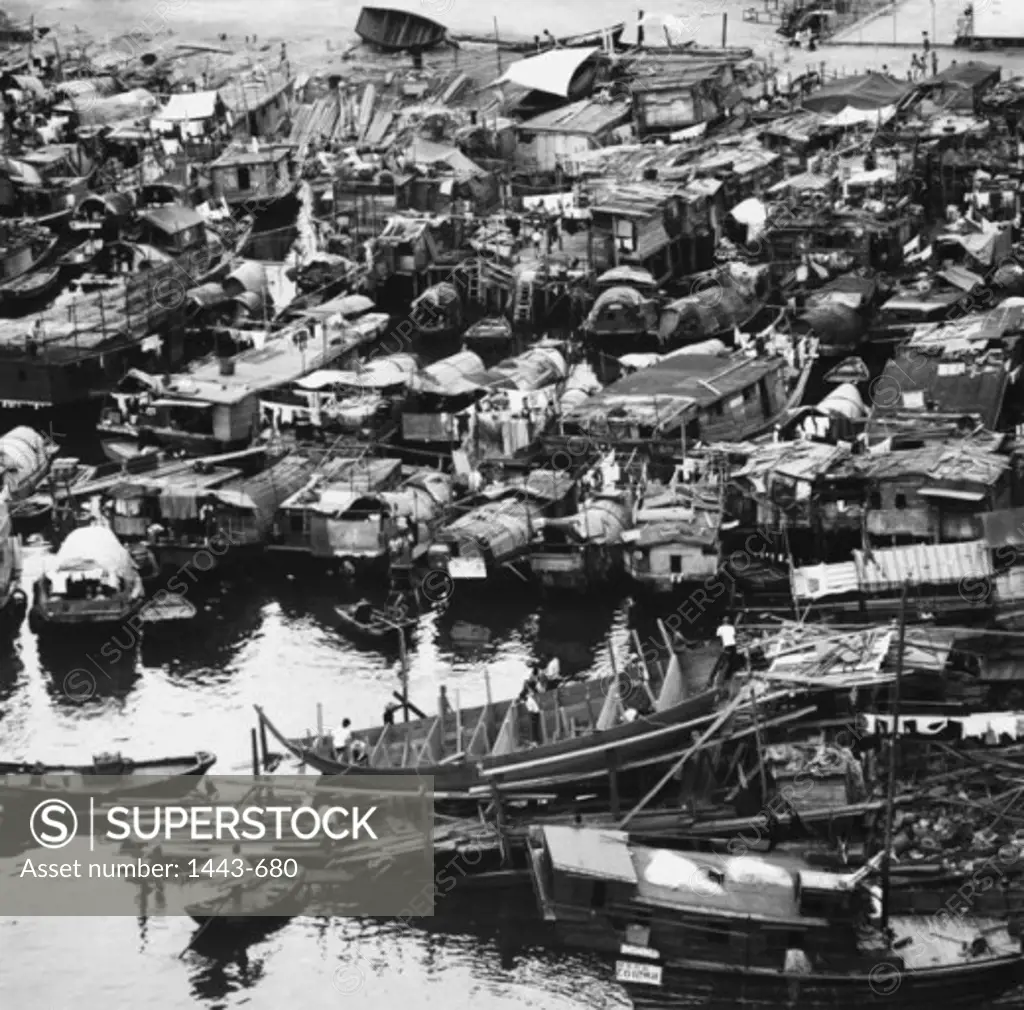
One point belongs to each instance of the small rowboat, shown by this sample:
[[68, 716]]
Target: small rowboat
[[253, 908], [31, 287], [379, 627], [395, 31], [110, 775]]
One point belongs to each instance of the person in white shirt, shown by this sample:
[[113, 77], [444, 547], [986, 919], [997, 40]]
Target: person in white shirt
[[727, 636], [534, 709], [343, 739], [553, 671]]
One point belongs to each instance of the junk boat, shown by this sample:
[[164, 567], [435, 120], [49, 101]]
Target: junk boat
[[580, 724], [683, 926], [109, 775], [583, 552], [92, 581], [395, 31]]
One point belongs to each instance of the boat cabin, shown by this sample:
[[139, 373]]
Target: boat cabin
[[172, 230], [584, 550], [438, 396], [682, 399], [253, 175], [343, 401], [605, 891], [498, 530], [674, 542]]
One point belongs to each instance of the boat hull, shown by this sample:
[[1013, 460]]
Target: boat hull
[[396, 31], [170, 778], [966, 985], [542, 766]]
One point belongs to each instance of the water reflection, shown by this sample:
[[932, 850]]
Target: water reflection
[[214, 977], [87, 672], [12, 671]]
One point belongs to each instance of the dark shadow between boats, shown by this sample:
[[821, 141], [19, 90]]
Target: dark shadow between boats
[[87, 671]]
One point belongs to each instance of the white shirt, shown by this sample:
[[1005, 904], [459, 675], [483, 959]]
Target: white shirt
[[531, 705], [343, 736], [553, 671], [727, 634]]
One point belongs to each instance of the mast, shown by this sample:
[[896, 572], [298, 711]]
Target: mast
[[893, 738]]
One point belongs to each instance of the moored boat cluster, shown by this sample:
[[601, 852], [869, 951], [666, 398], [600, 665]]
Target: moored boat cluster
[[738, 349]]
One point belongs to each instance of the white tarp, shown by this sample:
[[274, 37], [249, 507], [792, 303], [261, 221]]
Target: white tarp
[[551, 72]]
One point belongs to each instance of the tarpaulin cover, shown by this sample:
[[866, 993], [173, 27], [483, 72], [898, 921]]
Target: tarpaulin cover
[[865, 91], [93, 547]]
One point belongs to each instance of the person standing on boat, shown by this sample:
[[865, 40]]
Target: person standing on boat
[[533, 707], [727, 636], [389, 713], [343, 740]]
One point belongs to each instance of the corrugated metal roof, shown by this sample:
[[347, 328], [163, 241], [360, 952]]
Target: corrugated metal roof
[[922, 564], [816, 582], [675, 384], [590, 118], [799, 460], [938, 462]]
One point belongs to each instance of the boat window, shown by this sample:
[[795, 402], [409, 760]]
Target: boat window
[[244, 178], [675, 564], [876, 500], [901, 501]]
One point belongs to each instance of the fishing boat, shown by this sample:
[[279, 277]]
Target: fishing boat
[[27, 290], [253, 908], [395, 31], [582, 726], [92, 582], [109, 775], [753, 932], [26, 252], [361, 620], [583, 551], [599, 36]]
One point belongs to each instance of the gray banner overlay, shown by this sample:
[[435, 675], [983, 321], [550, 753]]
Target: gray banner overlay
[[216, 847]]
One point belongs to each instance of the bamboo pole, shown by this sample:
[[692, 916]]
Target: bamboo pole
[[891, 790]]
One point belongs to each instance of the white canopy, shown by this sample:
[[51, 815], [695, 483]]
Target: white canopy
[[551, 72]]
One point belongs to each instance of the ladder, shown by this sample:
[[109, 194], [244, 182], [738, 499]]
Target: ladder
[[523, 312], [472, 268]]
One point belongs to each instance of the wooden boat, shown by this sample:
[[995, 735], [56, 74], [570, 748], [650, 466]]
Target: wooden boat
[[727, 927], [593, 38], [394, 31], [29, 254], [164, 777], [31, 287], [378, 626], [583, 726], [253, 908]]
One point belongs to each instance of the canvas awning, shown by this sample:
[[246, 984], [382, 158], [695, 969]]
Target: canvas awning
[[189, 107], [551, 72]]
